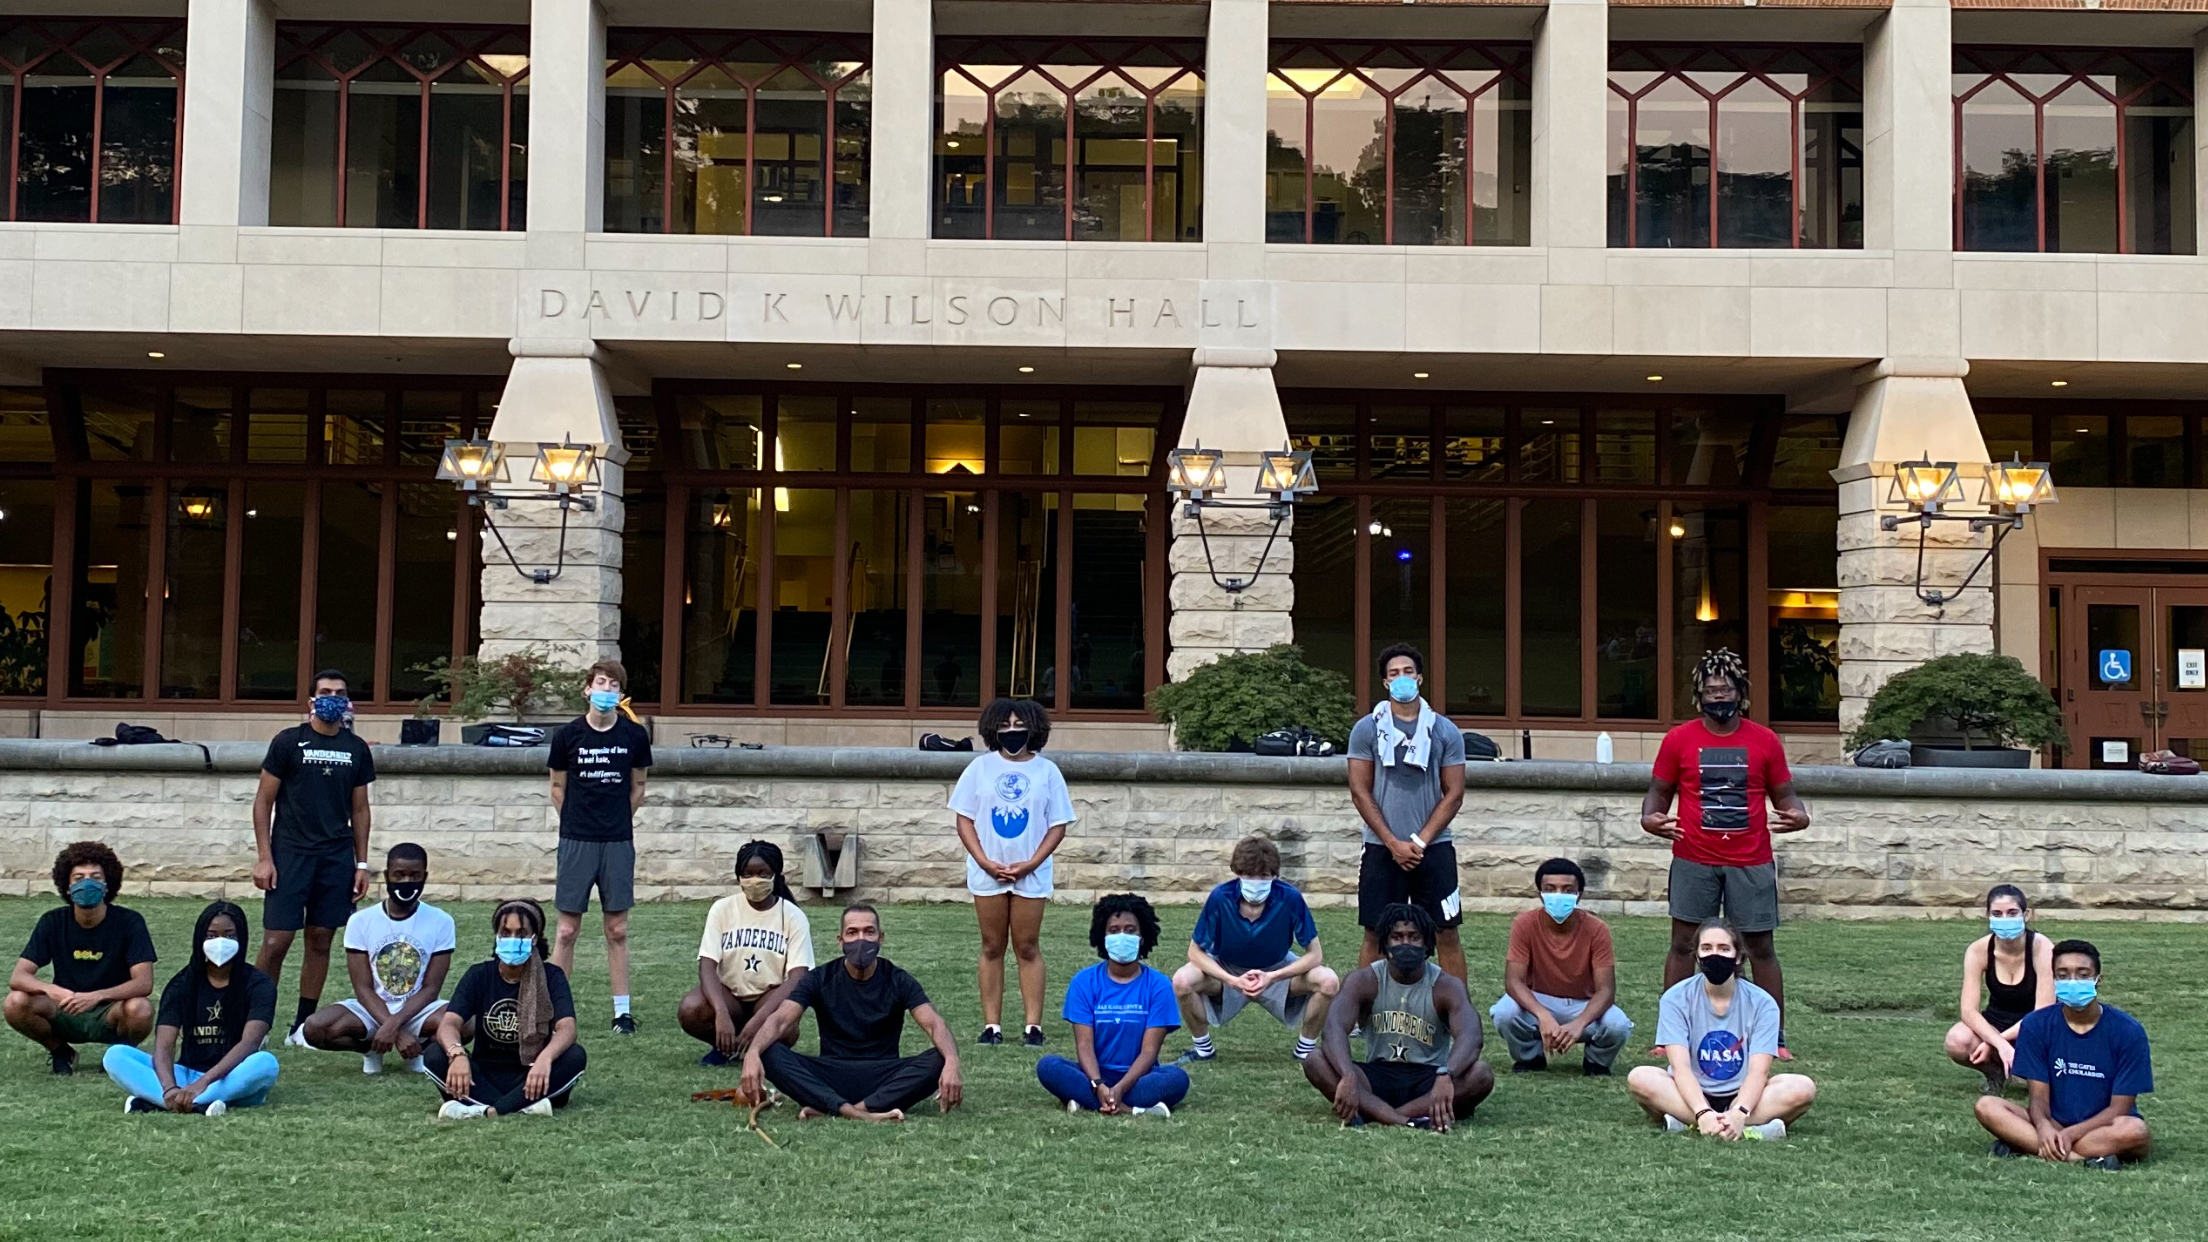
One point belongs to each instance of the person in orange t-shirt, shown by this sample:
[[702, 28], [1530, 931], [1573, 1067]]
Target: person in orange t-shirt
[[1559, 979]]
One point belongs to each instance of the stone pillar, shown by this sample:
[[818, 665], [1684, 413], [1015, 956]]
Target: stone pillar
[[1236, 51], [900, 172], [567, 129], [1571, 100], [1906, 408], [1909, 139], [1232, 406], [228, 92]]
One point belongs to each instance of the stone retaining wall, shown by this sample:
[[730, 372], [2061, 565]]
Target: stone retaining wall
[[1884, 844]]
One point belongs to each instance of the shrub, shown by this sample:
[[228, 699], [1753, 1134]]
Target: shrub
[[526, 681], [1989, 697], [1251, 693]]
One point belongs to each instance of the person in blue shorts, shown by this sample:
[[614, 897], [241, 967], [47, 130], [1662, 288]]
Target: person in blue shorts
[[1121, 1010], [2087, 1063], [1244, 952]]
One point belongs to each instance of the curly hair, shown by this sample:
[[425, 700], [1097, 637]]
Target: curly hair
[[1404, 912], [1389, 653], [1255, 856], [79, 853], [1721, 663], [1146, 920], [1030, 712]]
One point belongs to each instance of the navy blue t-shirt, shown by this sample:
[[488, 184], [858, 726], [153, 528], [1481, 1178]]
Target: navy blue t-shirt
[[2083, 1072], [1240, 944]]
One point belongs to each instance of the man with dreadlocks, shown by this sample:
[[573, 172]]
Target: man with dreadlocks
[[1723, 767], [757, 946]]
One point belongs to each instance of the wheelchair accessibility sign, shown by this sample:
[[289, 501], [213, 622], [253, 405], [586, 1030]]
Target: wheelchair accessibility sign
[[2115, 666]]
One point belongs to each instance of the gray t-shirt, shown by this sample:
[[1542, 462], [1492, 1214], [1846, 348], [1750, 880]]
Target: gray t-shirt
[[1720, 1046], [1407, 795]]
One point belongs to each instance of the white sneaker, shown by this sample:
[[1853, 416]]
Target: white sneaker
[[1073, 1106], [1771, 1131], [371, 1063], [217, 1109], [456, 1110], [413, 1065], [298, 1037], [1674, 1125], [1159, 1111], [542, 1108]]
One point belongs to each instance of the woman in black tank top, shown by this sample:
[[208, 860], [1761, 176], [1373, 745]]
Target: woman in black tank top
[[1992, 1005]]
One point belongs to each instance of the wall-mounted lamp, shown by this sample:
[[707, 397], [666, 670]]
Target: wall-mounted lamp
[[1196, 475], [202, 508], [565, 473], [1925, 487]]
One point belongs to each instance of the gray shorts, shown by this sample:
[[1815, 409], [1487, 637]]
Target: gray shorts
[[610, 865], [1275, 1000], [1749, 896]]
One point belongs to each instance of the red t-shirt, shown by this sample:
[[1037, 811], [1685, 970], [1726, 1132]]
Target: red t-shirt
[[1724, 788]]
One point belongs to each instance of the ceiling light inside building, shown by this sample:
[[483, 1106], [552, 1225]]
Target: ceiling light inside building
[[1655, 379], [1027, 370], [1678, 530], [794, 366], [1418, 375], [2058, 383], [155, 353]]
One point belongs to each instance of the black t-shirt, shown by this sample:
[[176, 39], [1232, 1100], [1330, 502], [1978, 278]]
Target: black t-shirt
[[211, 1019], [314, 806], [89, 959], [859, 1021], [494, 1005], [599, 767]]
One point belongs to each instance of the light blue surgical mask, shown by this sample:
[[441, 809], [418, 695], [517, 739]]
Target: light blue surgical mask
[[2006, 927], [515, 950], [1403, 689], [604, 700], [1256, 891], [1122, 947], [331, 708], [1560, 905], [87, 891], [2076, 993]]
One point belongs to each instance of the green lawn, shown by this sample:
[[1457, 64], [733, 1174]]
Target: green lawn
[[1890, 1152]]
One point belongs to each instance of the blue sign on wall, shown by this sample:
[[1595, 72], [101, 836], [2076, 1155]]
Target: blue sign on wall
[[2115, 666]]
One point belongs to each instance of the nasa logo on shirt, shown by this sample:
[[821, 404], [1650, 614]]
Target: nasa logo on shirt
[[1720, 1056]]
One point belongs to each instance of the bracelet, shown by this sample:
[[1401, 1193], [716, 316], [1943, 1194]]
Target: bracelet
[[1704, 1111]]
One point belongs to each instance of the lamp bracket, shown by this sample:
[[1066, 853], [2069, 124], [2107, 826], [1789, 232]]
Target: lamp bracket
[[1278, 510]]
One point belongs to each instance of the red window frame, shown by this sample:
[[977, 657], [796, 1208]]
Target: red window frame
[[1753, 63], [1434, 61], [1108, 57], [62, 35], [2000, 64], [470, 42]]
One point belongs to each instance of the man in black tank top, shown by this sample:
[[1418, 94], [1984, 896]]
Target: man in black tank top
[[1422, 1062]]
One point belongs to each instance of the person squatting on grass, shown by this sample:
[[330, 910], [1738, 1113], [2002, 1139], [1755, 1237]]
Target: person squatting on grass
[[1021, 798], [1719, 1032], [1422, 1062], [598, 763], [1560, 976], [397, 953], [1406, 779], [517, 1010], [2088, 1063], [757, 946], [1243, 952], [860, 1006], [1121, 1011], [2015, 967], [102, 957], [215, 1012]]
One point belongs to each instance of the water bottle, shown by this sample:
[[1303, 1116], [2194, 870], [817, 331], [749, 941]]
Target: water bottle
[[1603, 750]]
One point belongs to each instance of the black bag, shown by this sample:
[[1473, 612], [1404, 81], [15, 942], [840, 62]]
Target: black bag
[[420, 732], [1278, 742], [1480, 746], [501, 735], [938, 742], [1890, 753], [146, 735]]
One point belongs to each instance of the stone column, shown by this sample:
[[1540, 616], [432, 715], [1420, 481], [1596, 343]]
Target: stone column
[[1571, 99], [900, 171], [228, 92], [1232, 406], [1906, 408], [567, 129], [1236, 51], [1909, 140]]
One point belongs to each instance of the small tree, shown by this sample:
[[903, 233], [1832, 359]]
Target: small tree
[[1989, 697], [1250, 693], [517, 684]]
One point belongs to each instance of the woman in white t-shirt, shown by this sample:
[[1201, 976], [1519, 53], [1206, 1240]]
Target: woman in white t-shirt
[[1012, 810], [756, 946]]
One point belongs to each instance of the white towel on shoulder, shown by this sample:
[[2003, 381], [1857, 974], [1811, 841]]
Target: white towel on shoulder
[[1390, 735]]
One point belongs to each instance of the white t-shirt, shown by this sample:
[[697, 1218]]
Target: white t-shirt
[[399, 949], [754, 950], [1013, 806]]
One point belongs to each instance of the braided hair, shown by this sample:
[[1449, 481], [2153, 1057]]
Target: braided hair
[[771, 854], [1722, 663]]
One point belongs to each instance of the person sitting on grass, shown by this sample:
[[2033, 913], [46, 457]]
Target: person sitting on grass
[[215, 1012], [2087, 1063], [1422, 1062], [1559, 979], [860, 1007], [1121, 1010], [757, 945], [1720, 1033], [521, 1016], [102, 957], [1243, 953], [2016, 968], [397, 954]]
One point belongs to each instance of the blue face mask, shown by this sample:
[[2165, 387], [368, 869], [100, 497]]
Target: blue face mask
[[515, 950], [1256, 891], [2076, 993], [2008, 928], [1122, 947], [1403, 689], [331, 708], [1560, 905], [88, 891], [604, 700]]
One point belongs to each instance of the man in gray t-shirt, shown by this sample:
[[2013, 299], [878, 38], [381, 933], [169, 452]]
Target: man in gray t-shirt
[[1407, 781]]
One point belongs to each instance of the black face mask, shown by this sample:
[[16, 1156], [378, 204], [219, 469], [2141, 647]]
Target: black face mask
[[404, 894], [1721, 710], [1012, 741], [1406, 958], [1718, 968], [861, 953]]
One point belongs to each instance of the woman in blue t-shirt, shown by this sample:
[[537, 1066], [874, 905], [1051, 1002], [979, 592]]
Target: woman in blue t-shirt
[[1121, 1010]]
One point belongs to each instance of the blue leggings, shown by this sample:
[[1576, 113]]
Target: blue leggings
[[1164, 1084], [244, 1086]]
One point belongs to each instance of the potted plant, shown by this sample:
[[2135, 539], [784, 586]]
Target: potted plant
[[1965, 711], [1231, 700], [530, 686]]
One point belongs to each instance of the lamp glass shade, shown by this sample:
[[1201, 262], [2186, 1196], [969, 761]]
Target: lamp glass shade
[[1194, 472], [468, 461], [197, 506], [562, 466], [1286, 475], [2018, 484], [1926, 484]]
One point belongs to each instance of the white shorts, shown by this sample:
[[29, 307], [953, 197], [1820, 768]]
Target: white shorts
[[413, 1027], [1034, 884]]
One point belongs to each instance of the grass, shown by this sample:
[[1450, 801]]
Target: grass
[[1889, 1153]]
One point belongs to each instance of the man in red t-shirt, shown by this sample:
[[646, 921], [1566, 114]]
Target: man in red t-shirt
[[1723, 767]]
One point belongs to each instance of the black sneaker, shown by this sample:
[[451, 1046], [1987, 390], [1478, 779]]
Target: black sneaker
[[1588, 1069], [2003, 1150], [1033, 1038], [715, 1059], [2107, 1164], [991, 1035], [135, 1105], [624, 1024], [63, 1060], [1534, 1066]]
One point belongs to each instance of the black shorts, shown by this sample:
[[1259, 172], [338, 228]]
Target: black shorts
[[1720, 1103], [1431, 886], [1398, 1082], [2001, 1021], [314, 888]]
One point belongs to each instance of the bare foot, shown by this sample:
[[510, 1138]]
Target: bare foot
[[895, 1114], [810, 1114]]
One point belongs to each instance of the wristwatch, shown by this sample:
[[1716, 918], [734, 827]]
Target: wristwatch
[[1096, 1084], [360, 866]]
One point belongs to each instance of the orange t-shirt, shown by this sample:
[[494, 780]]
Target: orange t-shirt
[[1561, 959]]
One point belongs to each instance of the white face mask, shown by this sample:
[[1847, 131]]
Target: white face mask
[[219, 949], [1256, 891]]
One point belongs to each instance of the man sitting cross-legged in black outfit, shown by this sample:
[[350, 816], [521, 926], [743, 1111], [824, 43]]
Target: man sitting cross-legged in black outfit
[[860, 1005]]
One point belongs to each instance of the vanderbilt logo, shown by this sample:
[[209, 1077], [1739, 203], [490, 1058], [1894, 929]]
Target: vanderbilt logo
[[1408, 1025]]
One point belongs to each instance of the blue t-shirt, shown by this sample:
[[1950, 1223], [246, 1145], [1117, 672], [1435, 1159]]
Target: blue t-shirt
[[1120, 1012], [2083, 1072], [1240, 944]]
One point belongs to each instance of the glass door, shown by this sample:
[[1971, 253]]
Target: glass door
[[2110, 694]]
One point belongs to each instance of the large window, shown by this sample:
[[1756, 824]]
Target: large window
[[2129, 444], [400, 127], [1095, 140], [736, 133], [90, 121], [2074, 149], [1420, 144], [1736, 146]]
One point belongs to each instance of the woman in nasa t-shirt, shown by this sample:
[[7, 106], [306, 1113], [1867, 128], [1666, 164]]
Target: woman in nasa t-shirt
[[1012, 809]]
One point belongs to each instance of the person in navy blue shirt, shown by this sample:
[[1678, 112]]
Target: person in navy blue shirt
[[1245, 951], [1120, 1009], [2087, 1063]]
